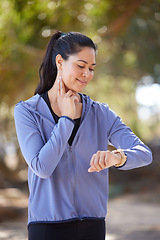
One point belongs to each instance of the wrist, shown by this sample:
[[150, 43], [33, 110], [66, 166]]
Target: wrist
[[67, 115], [64, 116], [118, 158], [122, 157]]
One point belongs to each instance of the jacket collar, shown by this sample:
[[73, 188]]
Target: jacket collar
[[37, 105]]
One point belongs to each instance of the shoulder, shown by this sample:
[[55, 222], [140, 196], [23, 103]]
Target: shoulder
[[92, 102], [103, 110], [29, 105], [30, 102], [99, 106]]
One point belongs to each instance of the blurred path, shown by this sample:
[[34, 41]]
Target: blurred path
[[134, 217], [13, 230], [130, 217]]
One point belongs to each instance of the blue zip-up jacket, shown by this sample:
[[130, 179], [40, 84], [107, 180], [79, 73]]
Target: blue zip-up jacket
[[61, 188]]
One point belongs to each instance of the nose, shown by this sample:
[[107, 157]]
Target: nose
[[85, 74]]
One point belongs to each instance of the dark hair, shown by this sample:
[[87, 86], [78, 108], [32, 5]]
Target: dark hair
[[65, 45]]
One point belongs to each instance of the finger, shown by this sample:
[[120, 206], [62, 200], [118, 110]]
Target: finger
[[75, 98], [96, 161], [108, 159], [102, 160], [62, 87], [92, 163], [91, 169], [70, 93], [58, 88]]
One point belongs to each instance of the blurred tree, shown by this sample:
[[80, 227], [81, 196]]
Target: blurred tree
[[128, 31]]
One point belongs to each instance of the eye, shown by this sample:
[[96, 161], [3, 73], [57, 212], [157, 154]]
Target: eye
[[92, 70], [80, 66]]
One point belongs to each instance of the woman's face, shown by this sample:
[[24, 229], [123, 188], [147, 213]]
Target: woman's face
[[78, 69]]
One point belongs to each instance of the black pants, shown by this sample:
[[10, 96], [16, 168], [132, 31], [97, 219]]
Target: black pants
[[75, 230]]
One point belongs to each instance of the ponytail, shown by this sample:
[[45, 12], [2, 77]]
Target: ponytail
[[48, 69], [65, 45]]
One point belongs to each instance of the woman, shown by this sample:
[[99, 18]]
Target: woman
[[63, 135]]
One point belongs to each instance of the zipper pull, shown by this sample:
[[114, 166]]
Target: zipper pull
[[70, 148]]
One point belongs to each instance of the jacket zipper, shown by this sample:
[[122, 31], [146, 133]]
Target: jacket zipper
[[74, 180]]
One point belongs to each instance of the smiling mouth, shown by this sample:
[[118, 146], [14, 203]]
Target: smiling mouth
[[82, 82]]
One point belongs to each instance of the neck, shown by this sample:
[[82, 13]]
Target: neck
[[52, 93]]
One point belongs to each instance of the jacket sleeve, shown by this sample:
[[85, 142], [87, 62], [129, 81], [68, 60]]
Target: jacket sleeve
[[41, 157], [121, 136]]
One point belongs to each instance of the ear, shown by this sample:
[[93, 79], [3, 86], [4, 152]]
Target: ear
[[59, 61]]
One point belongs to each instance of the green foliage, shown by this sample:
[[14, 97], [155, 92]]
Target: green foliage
[[127, 34]]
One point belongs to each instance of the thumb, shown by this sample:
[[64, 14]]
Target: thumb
[[91, 169], [75, 99]]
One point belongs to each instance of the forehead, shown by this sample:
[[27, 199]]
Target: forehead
[[86, 54]]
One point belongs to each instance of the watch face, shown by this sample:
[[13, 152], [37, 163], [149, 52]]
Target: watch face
[[123, 157]]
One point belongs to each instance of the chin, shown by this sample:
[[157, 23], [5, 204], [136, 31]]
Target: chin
[[74, 88], [77, 90]]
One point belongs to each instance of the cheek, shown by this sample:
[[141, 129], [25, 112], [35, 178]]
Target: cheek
[[66, 74], [91, 76], [65, 79]]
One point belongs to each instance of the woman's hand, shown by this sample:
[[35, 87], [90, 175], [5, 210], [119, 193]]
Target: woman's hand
[[103, 159], [66, 100]]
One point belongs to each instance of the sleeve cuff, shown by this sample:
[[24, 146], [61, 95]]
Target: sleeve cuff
[[68, 118], [124, 162], [121, 166]]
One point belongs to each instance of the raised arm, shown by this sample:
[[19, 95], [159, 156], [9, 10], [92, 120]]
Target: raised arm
[[121, 136], [41, 157], [136, 153]]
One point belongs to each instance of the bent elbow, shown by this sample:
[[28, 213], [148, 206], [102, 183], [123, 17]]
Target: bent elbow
[[44, 174], [40, 169], [149, 157]]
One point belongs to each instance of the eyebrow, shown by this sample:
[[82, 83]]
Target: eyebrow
[[86, 62]]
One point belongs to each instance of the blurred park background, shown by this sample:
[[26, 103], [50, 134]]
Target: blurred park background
[[127, 77]]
